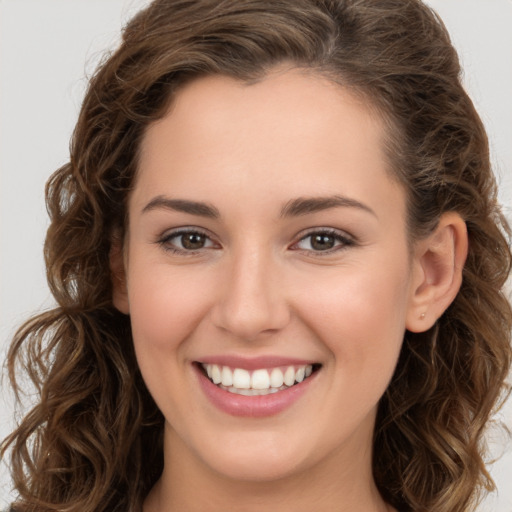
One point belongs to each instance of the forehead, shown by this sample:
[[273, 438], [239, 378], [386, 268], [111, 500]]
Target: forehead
[[292, 133], [282, 90]]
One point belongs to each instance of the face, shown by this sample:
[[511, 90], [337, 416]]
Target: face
[[267, 247]]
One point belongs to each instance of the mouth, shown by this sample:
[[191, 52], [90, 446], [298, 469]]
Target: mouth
[[257, 382]]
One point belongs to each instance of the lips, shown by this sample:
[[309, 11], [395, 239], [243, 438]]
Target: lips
[[256, 387]]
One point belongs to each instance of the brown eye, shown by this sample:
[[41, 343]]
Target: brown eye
[[322, 242], [186, 241], [192, 241]]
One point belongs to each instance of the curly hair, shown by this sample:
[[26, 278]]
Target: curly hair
[[93, 442]]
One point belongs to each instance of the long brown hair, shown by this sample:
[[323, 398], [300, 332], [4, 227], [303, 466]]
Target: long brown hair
[[93, 442]]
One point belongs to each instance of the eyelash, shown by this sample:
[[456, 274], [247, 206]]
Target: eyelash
[[164, 241], [343, 240]]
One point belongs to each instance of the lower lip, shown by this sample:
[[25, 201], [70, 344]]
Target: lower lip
[[253, 406]]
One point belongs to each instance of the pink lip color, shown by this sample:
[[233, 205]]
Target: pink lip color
[[254, 363], [252, 406]]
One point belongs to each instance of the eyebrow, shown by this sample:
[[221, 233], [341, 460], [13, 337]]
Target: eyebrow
[[306, 205], [293, 208], [182, 205]]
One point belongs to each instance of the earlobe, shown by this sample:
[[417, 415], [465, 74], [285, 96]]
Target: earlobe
[[118, 276], [437, 272]]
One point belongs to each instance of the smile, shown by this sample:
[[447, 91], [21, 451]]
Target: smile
[[255, 388], [258, 382]]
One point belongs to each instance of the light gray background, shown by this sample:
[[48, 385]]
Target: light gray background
[[48, 47]]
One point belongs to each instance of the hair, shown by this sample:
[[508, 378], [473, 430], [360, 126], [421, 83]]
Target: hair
[[93, 442]]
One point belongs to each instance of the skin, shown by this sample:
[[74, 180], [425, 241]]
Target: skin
[[258, 287]]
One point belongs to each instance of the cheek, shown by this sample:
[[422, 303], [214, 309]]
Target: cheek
[[359, 314], [166, 305]]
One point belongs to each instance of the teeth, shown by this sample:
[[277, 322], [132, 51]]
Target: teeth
[[253, 392], [227, 376], [276, 378], [260, 379], [241, 379], [216, 375], [289, 376], [260, 382]]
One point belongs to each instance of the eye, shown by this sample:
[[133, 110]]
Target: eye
[[186, 240], [323, 241]]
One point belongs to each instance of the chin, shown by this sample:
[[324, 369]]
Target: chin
[[257, 469], [256, 459]]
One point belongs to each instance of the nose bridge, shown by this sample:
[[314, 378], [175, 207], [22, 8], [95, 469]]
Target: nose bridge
[[252, 300]]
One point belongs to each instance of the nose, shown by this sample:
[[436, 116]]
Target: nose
[[251, 300]]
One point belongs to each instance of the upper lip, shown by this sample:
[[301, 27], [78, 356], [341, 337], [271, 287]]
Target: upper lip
[[254, 363]]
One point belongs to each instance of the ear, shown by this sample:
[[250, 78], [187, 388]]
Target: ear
[[118, 276], [437, 272]]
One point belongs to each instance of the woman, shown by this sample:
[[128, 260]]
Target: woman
[[278, 261]]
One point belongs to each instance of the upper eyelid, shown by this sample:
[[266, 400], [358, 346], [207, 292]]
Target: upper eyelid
[[303, 233], [171, 233], [330, 231]]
